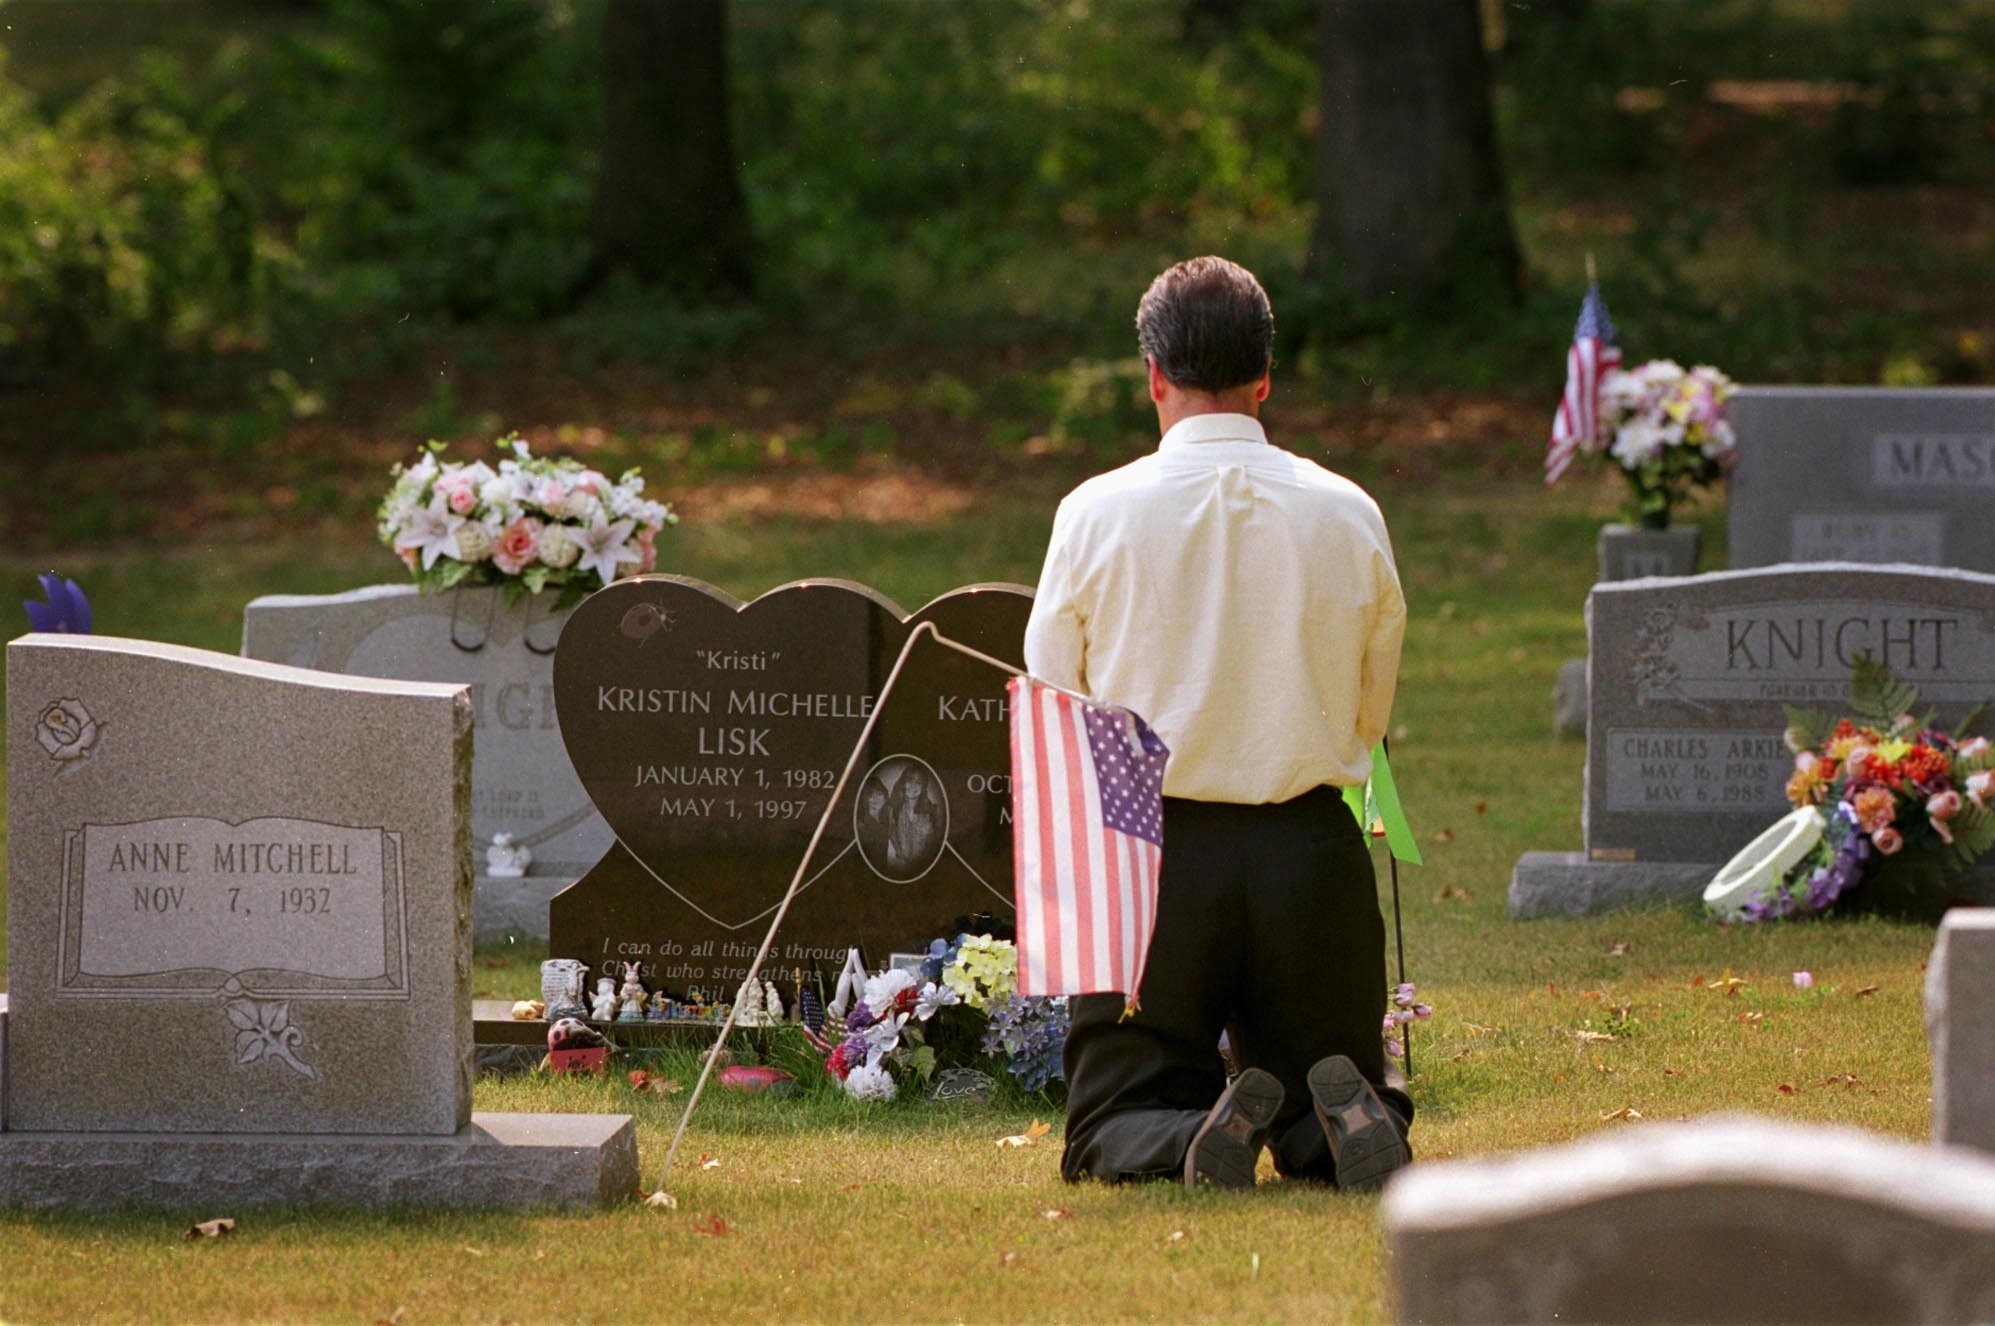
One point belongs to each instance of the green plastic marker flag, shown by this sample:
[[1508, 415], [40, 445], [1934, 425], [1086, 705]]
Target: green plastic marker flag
[[1377, 802]]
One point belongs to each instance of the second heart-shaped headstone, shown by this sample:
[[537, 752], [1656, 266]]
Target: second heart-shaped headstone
[[711, 735]]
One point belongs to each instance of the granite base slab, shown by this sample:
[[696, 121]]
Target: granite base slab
[[1569, 884], [507, 907], [497, 1162]]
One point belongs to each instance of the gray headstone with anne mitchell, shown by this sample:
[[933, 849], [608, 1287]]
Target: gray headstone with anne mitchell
[[1863, 474], [239, 943]]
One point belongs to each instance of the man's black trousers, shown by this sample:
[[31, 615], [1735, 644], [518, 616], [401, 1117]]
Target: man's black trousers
[[1268, 928]]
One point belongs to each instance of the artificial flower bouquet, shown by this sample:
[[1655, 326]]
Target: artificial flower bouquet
[[1881, 787], [1666, 428], [529, 524], [963, 1006]]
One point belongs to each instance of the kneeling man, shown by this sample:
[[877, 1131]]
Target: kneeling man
[[1244, 601]]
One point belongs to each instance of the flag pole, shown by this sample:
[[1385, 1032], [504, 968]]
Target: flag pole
[[796, 881], [1398, 929]]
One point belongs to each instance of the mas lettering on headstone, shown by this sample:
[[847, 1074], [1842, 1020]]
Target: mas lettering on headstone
[[1864, 474], [239, 942], [522, 785], [711, 734], [1686, 760]]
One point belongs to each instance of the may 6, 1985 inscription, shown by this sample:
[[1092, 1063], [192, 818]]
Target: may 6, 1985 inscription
[[184, 906]]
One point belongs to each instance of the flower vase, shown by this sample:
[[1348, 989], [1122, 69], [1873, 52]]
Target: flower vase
[[1630, 552]]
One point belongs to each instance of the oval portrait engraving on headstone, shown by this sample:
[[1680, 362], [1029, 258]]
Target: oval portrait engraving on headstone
[[900, 818]]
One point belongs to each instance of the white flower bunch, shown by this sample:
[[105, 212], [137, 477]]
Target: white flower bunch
[[527, 524]]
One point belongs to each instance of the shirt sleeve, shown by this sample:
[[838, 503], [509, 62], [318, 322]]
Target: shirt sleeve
[[1380, 676], [1055, 634]]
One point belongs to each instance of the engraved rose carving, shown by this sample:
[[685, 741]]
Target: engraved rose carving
[[264, 1030], [66, 731]]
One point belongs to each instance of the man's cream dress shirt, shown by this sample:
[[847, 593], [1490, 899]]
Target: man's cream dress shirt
[[1241, 599]]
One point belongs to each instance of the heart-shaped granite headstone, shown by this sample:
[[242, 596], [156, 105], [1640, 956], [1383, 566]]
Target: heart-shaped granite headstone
[[711, 734]]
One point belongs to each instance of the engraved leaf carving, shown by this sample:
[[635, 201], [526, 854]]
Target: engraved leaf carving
[[242, 1014], [264, 1029], [249, 1047]]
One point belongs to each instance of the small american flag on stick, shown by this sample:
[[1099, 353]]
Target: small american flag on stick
[[1087, 801], [1596, 350]]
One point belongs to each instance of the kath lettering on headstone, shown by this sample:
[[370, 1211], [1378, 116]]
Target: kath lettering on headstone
[[711, 735], [522, 786], [1864, 474]]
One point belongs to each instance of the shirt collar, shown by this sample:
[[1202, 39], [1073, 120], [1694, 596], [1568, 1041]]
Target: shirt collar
[[1200, 428]]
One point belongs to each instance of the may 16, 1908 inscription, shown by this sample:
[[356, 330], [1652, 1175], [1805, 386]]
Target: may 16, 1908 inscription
[[188, 906], [711, 735]]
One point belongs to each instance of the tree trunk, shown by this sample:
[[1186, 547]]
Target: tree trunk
[[1410, 196], [668, 205]]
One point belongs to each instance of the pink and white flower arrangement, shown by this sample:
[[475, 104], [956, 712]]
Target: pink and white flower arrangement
[[1666, 429], [527, 524]]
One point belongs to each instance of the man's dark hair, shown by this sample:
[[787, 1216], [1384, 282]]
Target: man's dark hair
[[1207, 325]]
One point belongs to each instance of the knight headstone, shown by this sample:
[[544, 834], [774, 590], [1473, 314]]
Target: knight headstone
[[1687, 676]]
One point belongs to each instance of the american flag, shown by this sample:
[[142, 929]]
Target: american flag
[[1596, 349], [1087, 806]]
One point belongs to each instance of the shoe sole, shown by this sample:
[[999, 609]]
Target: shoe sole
[[1366, 1145], [1227, 1147]]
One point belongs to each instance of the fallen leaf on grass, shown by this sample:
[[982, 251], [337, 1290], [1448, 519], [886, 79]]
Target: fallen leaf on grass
[[1867, 990], [1592, 1037], [1847, 1081], [709, 1162], [852, 1187], [1056, 1213], [212, 1229], [1625, 1112], [1254, 1265], [1454, 893], [1752, 1017], [714, 1225], [662, 1201], [1030, 1137], [1620, 948], [1444, 835], [467, 1248], [392, 1319], [1729, 983], [1697, 980], [1477, 1029], [1785, 1089], [1482, 808], [1671, 1072], [1175, 1236], [648, 1081], [1007, 1259], [1594, 994]]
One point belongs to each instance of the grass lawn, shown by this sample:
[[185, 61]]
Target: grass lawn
[[820, 1208]]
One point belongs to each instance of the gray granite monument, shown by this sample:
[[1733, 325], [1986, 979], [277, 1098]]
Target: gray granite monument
[[1863, 474], [1719, 1220], [522, 784], [1686, 679], [239, 944], [1960, 1023]]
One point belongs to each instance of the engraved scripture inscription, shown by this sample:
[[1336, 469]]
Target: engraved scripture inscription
[[188, 906]]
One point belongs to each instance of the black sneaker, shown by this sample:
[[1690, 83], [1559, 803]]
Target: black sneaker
[[1227, 1146], [1364, 1141]]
